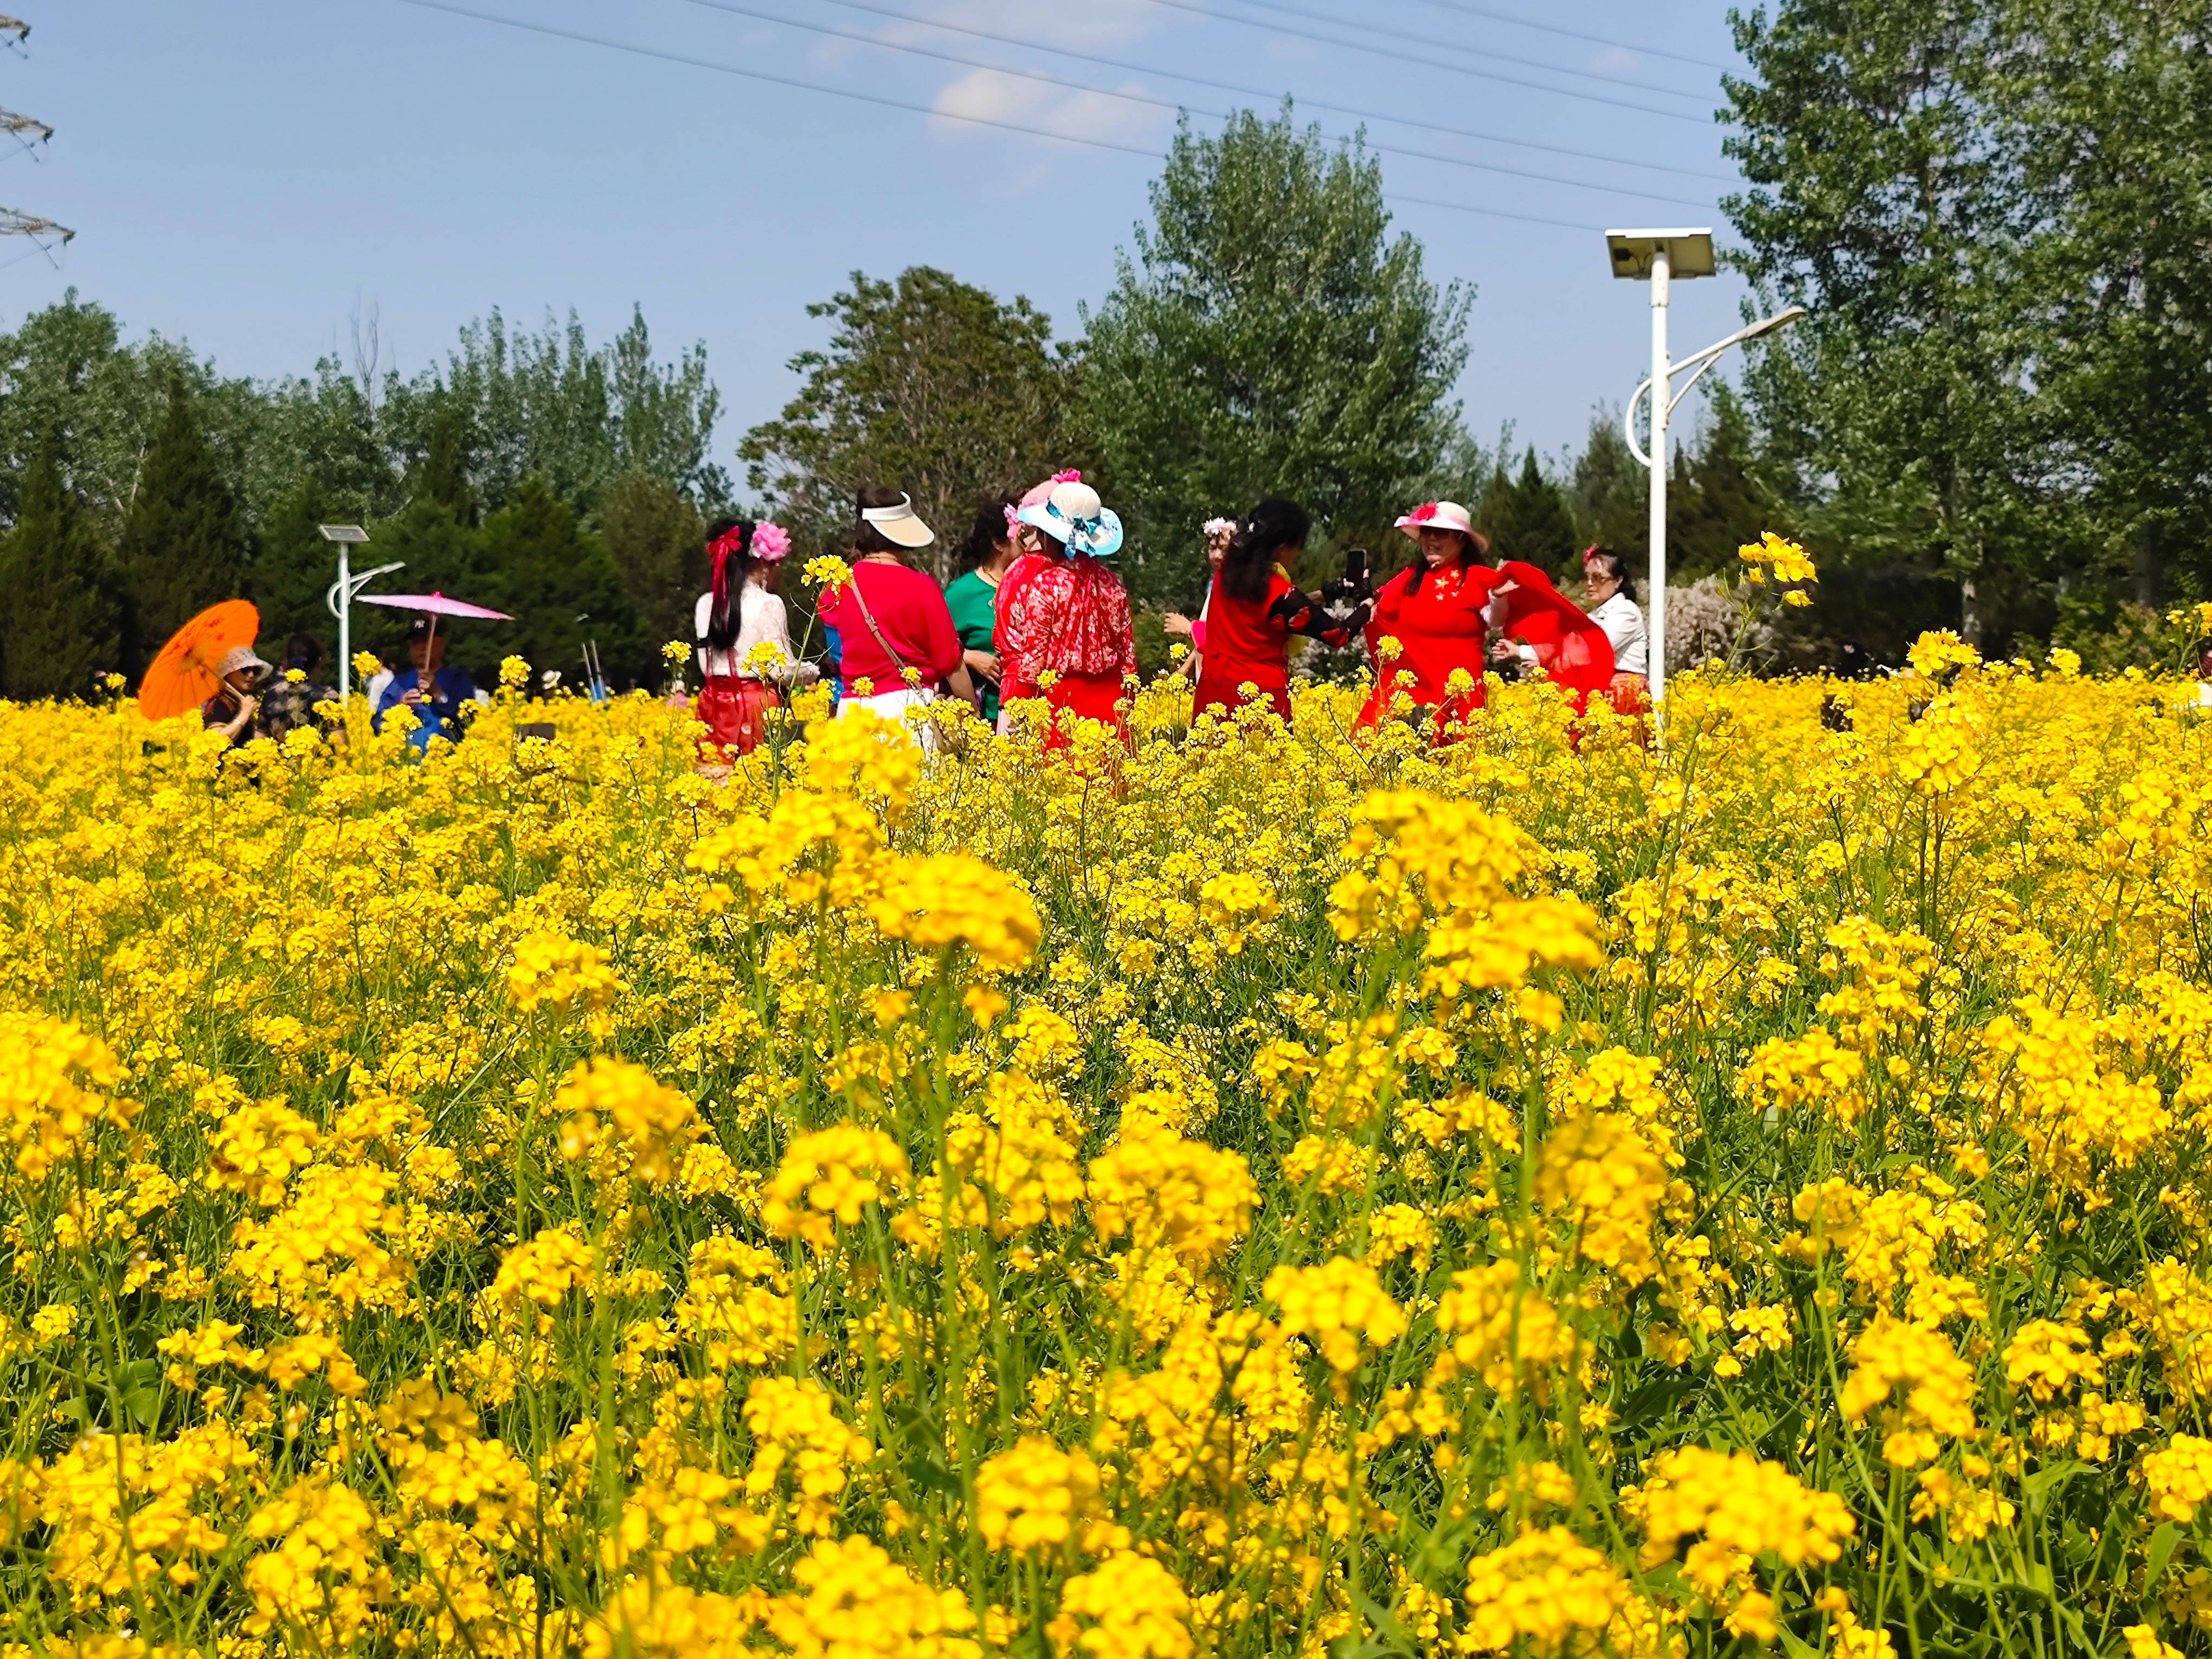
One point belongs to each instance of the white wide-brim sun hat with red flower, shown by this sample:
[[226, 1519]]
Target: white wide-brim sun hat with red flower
[[1443, 516]]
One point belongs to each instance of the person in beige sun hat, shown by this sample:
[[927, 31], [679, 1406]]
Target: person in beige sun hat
[[231, 710], [897, 650]]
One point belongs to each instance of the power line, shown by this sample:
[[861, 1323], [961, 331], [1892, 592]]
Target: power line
[[1574, 34], [1162, 103], [1493, 213], [1366, 27], [1267, 93], [1428, 63], [553, 32]]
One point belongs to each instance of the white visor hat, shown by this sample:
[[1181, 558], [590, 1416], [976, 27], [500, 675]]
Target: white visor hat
[[899, 524]]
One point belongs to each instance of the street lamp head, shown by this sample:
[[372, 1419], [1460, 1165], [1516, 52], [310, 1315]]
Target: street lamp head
[[344, 532], [1766, 326], [1689, 252]]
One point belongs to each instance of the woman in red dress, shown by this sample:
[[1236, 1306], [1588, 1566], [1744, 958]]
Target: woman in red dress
[[1432, 622], [1433, 619], [1253, 609], [1012, 637], [1064, 628]]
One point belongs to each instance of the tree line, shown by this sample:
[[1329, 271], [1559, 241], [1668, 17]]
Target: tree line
[[1998, 415], [535, 473]]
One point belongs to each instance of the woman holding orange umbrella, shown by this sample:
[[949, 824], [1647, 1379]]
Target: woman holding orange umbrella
[[191, 669], [230, 711]]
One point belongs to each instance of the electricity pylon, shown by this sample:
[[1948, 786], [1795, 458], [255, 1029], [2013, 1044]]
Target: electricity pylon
[[13, 221]]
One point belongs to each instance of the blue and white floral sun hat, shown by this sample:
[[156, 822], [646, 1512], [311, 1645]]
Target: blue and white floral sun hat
[[1072, 515]]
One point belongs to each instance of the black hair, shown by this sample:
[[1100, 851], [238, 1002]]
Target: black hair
[[866, 538], [1617, 568], [1275, 524], [986, 534], [722, 617], [303, 651]]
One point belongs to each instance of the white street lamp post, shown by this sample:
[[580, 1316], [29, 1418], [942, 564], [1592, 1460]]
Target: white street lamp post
[[340, 595], [1660, 256]]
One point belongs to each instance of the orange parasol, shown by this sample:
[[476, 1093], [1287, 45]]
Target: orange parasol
[[184, 675]]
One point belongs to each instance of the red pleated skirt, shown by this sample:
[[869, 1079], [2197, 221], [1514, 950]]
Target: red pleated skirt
[[734, 713]]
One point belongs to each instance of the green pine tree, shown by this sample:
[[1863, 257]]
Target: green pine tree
[[1532, 524], [659, 545], [1493, 514], [60, 625], [184, 541], [293, 568], [563, 589], [1612, 492], [1729, 506]]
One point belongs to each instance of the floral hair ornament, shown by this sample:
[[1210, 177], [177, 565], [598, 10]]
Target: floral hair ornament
[[1072, 515], [1037, 494], [1014, 520], [771, 542]]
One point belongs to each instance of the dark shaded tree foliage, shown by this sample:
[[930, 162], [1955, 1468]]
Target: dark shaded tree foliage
[[563, 587], [1526, 518], [185, 543], [659, 544], [60, 624]]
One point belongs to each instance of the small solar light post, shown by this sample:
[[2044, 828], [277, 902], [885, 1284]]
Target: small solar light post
[[339, 598], [1658, 257]]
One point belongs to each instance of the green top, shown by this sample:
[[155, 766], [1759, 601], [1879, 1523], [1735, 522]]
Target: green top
[[974, 601]]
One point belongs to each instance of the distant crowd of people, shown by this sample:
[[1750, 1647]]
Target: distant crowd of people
[[1037, 613]]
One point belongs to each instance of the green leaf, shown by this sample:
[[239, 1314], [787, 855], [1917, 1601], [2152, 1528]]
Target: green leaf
[[2163, 1543]]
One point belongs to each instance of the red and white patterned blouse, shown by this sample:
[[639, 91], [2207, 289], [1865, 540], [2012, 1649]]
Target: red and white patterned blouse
[[1070, 615]]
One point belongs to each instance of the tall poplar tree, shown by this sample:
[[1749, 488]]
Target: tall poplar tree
[[1270, 334]]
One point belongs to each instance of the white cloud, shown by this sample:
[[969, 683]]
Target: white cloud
[[994, 95]]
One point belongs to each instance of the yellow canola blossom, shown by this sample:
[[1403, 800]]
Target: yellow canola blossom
[[1257, 1189]]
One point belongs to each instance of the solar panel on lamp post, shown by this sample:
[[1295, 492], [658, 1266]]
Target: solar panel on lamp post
[[339, 596], [1658, 257]]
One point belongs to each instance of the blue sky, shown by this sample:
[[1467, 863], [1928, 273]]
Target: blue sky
[[248, 175]]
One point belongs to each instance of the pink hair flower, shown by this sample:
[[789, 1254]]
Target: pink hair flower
[[771, 542], [1069, 477]]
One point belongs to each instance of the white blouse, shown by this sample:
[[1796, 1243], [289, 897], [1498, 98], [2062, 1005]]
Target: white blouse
[[1623, 623], [762, 620]]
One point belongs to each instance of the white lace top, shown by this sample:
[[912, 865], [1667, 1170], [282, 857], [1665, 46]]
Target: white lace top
[[762, 620]]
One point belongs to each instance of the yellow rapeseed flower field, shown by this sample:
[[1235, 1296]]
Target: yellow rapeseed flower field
[[1261, 1191]]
